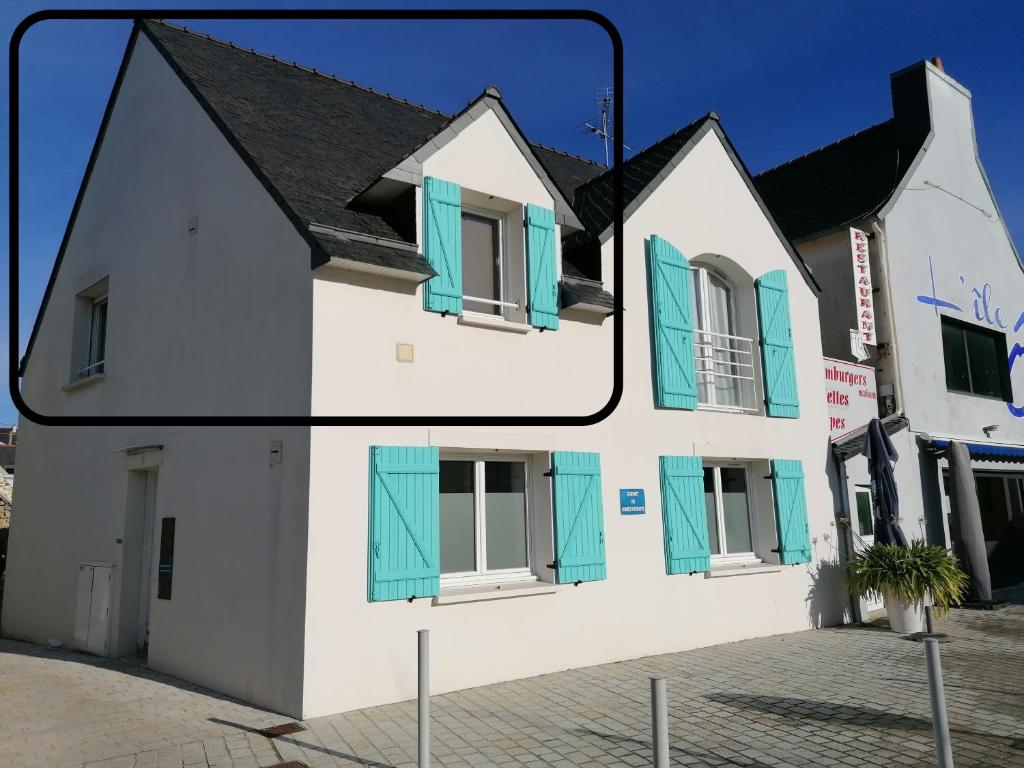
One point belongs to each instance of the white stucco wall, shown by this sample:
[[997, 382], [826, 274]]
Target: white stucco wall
[[458, 370], [968, 249], [360, 653], [197, 325]]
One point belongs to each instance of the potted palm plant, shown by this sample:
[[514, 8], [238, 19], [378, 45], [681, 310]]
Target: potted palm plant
[[907, 578]]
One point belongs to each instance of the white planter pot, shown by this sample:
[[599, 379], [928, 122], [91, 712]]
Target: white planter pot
[[904, 618]]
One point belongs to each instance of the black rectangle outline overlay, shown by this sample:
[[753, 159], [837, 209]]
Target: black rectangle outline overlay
[[266, 14]]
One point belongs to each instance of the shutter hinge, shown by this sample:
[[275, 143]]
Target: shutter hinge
[[552, 566], [549, 473], [776, 551], [444, 313], [576, 583], [412, 598], [769, 477]]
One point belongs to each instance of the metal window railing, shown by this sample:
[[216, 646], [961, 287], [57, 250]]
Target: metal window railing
[[725, 370], [89, 370], [492, 302]]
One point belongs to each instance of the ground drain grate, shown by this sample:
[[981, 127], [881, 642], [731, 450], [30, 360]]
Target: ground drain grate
[[282, 730]]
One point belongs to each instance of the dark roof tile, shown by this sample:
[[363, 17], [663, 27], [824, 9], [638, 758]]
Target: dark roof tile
[[837, 185]]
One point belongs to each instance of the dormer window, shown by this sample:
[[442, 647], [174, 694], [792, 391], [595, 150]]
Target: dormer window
[[495, 259]]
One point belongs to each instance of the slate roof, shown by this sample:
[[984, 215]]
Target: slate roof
[[594, 200], [567, 171], [301, 127], [839, 184]]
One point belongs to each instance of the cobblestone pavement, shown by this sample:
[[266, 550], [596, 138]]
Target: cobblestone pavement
[[833, 697]]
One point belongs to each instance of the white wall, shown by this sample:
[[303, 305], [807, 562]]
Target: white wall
[[360, 653], [200, 325], [458, 370], [197, 325], [961, 242]]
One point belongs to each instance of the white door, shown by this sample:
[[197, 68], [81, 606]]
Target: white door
[[147, 573], [863, 526]]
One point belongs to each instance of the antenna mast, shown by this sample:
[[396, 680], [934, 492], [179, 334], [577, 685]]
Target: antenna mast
[[605, 99]]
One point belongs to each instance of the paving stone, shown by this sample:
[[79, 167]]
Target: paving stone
[[833, 697]]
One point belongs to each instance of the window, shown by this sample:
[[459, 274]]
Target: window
[[89, 345], [484, 520], [482, 279], [725, 360], [976, 360], [728, 504], [865, 523], [97, 338]]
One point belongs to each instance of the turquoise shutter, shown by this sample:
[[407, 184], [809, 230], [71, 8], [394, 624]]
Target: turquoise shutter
[[777, 346], [791, 512], [541, 266], [442, 245], [404, 557], [684, 514], [672, 325], [579, 516]]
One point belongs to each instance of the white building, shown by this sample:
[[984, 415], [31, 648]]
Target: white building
[[948, 298], [271, 241]]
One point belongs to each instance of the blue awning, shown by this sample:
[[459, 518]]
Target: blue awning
[[989, 452]]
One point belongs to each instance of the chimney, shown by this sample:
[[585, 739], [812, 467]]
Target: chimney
[[910, 104], [938, 64]]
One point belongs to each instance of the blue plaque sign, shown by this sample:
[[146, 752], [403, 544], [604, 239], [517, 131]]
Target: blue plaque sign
[[631, 501]]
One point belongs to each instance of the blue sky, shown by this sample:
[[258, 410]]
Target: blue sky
[[786, 77]]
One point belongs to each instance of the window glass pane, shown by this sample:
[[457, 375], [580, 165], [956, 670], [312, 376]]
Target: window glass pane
[[505, 514], [954, 351], [702, 352], [709, 507], [97, 335], [458, 526], [480, 263], [1017, 499], [995, 516], [735, 510], [986, 363], [865, 520], [721, 311]]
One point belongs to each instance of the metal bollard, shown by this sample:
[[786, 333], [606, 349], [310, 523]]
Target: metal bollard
[[929, 620], [423, 696], [940, 722], [659, 722]]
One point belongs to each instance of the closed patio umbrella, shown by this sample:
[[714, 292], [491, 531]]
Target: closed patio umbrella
[[968, 536], [881, 455]]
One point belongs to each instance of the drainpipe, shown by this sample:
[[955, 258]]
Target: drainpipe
[[883, 268]]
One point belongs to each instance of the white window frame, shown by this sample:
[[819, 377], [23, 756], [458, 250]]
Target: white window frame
[[702, 283], [732, 558], [481, 575], [501, 303], [96, 366]]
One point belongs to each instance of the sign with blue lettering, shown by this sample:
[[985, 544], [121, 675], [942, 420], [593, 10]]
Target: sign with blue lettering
[[631, 501]]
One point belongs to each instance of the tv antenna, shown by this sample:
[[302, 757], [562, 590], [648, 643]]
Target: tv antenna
[[605, 99]]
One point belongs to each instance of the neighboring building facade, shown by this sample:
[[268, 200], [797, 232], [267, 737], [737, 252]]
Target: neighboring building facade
[[448, 267], [948, 304]]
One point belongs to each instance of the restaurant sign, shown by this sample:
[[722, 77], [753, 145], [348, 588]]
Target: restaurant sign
[[862, 283], [851, 396]]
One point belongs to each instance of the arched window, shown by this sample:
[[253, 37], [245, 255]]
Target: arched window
[[725, 360]]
